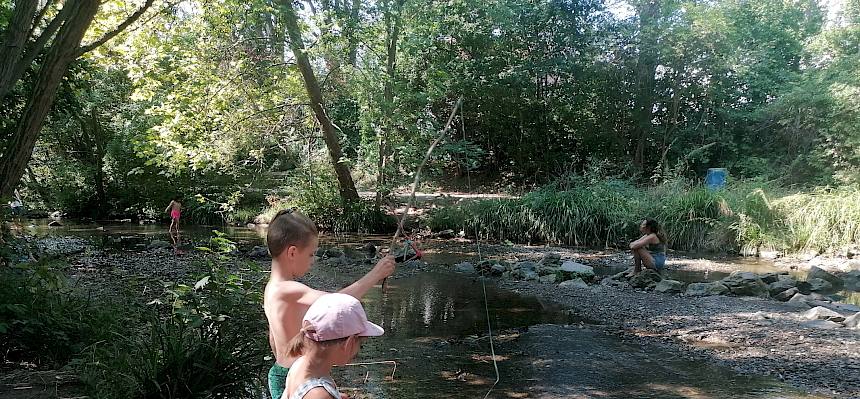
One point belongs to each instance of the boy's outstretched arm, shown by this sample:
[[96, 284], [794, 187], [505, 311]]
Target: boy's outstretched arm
[[383, 269]]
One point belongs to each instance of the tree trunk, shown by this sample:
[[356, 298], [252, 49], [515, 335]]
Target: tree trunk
[[64, 50], [14, 40], [392, 31], [345, 183], [646, 67]]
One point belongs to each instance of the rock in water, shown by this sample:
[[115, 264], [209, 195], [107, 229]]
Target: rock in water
[[54, 223], [548, 279], [575, 283], [464, 267], [786, 295], [577, 269], [258, 252], [707, 289], [646, 279], [746, 283], [669, 287], [156, 244], [853, 322], [497, 269], [817, 272], [822, 313], [819, 285]]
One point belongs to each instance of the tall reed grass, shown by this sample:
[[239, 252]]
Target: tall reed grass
[[746, 216]]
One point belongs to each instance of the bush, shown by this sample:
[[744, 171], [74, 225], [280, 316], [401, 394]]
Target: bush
[[202, 340], [45, 321]]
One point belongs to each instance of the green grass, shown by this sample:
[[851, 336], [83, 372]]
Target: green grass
[[750, 216]]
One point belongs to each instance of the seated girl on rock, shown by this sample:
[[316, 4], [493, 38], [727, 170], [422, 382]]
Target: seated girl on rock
[[650, 249], [332, 331]]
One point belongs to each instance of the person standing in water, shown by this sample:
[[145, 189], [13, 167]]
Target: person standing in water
[[175, 210], [650, 249]]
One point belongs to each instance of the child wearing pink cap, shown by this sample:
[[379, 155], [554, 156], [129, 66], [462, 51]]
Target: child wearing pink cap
[[292, 241], [331, 334]]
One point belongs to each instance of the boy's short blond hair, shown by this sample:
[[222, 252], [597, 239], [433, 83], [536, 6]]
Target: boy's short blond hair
[[289, 228]]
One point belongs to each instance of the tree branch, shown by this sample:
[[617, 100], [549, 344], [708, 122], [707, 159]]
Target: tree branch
[[110, 35]]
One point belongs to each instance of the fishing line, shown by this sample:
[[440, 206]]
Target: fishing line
[[480, 259]]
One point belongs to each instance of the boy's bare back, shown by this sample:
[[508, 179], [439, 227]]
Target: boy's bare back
[[285, 303]]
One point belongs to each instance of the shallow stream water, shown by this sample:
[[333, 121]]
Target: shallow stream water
[[437, 337]]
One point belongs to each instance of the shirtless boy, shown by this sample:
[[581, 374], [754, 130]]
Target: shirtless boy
[[293, 242]]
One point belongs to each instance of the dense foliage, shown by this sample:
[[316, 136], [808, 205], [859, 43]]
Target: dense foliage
[[204, 99]]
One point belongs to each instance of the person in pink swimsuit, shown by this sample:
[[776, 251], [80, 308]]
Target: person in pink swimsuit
[[175, 210]]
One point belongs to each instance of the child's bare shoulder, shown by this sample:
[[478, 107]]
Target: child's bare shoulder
[[290, 292]]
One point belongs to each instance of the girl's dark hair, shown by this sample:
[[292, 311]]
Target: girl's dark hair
[[654, 228]]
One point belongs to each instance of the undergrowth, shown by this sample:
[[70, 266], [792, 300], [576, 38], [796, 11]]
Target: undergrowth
[[746, 216]]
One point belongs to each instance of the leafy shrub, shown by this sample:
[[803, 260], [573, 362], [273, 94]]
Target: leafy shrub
[[207, 339], [46, 321]]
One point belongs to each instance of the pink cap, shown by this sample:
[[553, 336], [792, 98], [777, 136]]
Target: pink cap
[[335, 316]]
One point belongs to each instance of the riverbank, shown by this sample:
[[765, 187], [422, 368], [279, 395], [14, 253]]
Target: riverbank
[[756, 337]]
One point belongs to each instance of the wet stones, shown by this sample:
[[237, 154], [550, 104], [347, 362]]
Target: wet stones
[[707, 289], [464, 267], [669, 286]]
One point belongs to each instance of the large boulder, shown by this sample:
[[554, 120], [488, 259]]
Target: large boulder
[[577, 269], [707, 289], [548, 279], [575, 283], [783, 284], [817, 272], [851, 280], [822, 313], [819, 285], [646, 279], [746, 284], [497, 269], [464, 267], [669, 286]]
